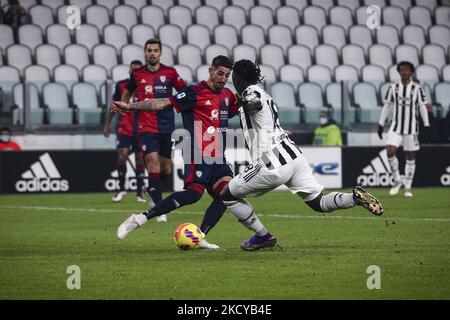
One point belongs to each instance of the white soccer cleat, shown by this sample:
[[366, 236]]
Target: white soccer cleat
[[408, 194], [140, 199], [396, 188], [206, 245], [127, 226], [161, 218], [119, 196]]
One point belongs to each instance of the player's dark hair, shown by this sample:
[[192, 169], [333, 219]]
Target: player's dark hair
[[249, 71], [406, 63], [6, 129], [136, 62], [153, 41], [222, 61]]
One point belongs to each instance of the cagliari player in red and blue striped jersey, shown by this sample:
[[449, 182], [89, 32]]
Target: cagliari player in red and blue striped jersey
[[152, 81]]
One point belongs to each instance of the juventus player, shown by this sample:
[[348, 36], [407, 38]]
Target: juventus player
[[403, 99], [276, 160]]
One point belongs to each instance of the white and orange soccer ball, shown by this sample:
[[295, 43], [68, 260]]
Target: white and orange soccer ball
[[188, 236]]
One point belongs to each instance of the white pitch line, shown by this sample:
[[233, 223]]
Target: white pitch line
[[273, 215]]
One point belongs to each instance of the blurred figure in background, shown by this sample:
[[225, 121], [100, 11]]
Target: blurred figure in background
[[16, 15], [6, 144], [328, 134]]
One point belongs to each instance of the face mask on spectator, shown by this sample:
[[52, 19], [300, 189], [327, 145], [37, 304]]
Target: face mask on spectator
[[323, 120], [4, 138]]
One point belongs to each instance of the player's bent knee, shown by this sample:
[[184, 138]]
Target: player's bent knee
[[197, 189], [315, 204], [226, 196]]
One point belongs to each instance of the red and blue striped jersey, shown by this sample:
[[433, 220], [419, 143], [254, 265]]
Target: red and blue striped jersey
[[128, 121]]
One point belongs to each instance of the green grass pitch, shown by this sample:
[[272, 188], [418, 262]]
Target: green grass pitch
[[321, 256]]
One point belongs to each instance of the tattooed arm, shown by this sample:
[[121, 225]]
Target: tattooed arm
[[146, 105]]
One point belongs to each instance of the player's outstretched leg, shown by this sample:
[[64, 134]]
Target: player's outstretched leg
[[368, 201], [212, 215]]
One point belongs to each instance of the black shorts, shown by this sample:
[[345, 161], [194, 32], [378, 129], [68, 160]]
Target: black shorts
[[128, 142], [156, 142]]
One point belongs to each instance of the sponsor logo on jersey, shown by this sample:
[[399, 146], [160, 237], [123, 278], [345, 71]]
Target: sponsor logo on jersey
[[149, 89], [208, 103], [43, 176], [214, 114], [377, 173]]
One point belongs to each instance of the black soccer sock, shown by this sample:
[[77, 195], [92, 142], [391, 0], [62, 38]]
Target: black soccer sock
[[212, 215], [154, 188], [122, 172], [172, 202], [140, 173]]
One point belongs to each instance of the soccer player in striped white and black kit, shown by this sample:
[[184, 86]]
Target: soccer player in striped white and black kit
[[404, 100]]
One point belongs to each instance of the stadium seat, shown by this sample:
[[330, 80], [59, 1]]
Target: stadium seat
[[58, 35], [95, 74], [105, 55], [41, 16], [292, 74], [245, 4], [288, 16], [373, 74], [218, 4], [202, 72], [18, 56], [36, 113], [153, 16], [430, 4], [140, 33], [85, 101], [442, 96], [185, 72], [446, 73], [53, 4], [261, 16], [327, 55], [281, 36], [440, 35], [435, 55], [380, 3], [207, 16], [244, 51], [87, 36], [404, 4], [272, 4], [283, 94], [341, 16], [167, 56], [27, 4], [83, 4], [414, 35], [120, 72], [115, 35], [393, 74], [366, 100], [191, 4], [346, 73], [307, 36], [97, 16], [388, 35], [420, 16], [214, 50], [56, 100], [427, 73], [315, 16], [334, 35], [198, 35], [132, 52], [353, 54], [319, 74], [125, 16], [62, 15], [361, 16], [269, 74], [180, 16], [234, 16], [394, 16], [1, 57], [110, 4], [66, 74], [298, 4], [76, 55], [441, 14], [299, 55], [324, 4], [362, 36], [380, 54], [9, 76], [30, 35], [171, 36], [190, 55], [226, 36], [272, 55], [406, 52], [351, 4], [333, 95], [311, 98], [164, 4], [137, 4], [253, 35], [6, 36], [48, 55]]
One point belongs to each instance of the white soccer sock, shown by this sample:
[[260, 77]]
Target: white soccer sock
[[410, 169], [337, 200], [245, 214], [393, 163]]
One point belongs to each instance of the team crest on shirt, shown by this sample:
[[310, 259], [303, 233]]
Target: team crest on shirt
[[149, 89], [214, 114], [198, 173], [162, 78]]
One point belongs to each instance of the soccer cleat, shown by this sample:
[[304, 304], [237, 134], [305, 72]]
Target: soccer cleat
[[256, 243], [127, 226], [161, 218], [119, 196], [396, 188], [140, 198], [206, 245], [408, 193], [368, 201]]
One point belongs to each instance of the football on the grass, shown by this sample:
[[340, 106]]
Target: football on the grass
[[188, 236]]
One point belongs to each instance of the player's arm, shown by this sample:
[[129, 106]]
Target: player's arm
[[423, 108], [387, 109], [129, 89], [250, 102], [110, 115], [146, 105]]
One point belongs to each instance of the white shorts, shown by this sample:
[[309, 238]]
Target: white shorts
[[410, 141], [257, 179]]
